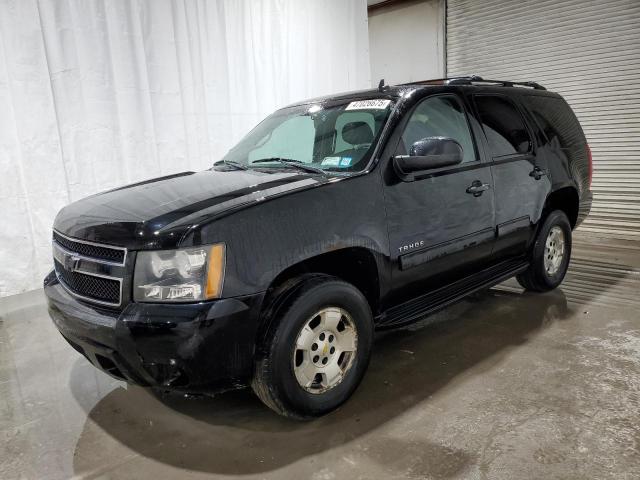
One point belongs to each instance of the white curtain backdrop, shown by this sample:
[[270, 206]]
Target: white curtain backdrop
[[99, 93]]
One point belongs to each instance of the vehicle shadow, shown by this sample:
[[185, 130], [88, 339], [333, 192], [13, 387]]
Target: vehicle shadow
[[234, 433]]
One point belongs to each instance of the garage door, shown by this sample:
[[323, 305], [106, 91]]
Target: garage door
[[588, 51]]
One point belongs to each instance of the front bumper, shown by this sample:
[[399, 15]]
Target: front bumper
[[200, 347]]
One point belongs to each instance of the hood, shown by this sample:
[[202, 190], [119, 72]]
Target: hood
[[157, 213]]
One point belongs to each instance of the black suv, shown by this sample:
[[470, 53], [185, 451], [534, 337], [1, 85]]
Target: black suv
[[331, 218]]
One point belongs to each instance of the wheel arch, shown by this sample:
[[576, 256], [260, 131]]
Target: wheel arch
[[565, 199], [355, 265]]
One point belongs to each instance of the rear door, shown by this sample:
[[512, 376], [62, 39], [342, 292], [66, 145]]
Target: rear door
[[521, 181], [439, 231]]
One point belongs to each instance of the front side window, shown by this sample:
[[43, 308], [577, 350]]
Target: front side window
[[503, 125], [337, 138], [441, 116]]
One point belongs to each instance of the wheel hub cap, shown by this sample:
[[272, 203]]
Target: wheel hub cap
[[554, 250], [324, 350]]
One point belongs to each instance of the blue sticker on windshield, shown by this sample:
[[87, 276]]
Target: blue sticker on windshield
[[345, 161]]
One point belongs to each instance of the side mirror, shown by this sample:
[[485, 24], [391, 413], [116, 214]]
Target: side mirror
[[427, 154]]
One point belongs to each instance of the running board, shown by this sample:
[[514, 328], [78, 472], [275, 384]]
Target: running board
[[419, 307]]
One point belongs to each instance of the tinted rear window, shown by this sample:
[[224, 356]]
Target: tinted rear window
[[503, 125], [556, 119]]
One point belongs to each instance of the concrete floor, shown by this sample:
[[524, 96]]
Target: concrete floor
[[503, 385]]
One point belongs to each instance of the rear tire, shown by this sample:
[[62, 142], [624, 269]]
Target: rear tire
[[316, 349], [550, 254]]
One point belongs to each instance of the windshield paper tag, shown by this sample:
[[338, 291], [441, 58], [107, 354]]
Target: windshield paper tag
[[368, 104], [331, 161], [336, 162]]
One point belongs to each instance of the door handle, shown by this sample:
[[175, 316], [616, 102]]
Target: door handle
[[477, 187], [538, 173]]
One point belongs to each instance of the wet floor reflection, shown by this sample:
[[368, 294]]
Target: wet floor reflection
[[595, 281], [442, 398], [235, 434]]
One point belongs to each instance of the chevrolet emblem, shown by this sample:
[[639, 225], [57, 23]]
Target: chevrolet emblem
[[71, 263]]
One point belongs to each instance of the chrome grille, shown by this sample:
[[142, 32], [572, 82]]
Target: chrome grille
[[103, 289], [90, 249], [90, 271]]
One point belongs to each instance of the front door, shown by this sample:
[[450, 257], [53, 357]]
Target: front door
[[440, 227]]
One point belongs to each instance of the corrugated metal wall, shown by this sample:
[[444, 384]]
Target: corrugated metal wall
[[589, 52]]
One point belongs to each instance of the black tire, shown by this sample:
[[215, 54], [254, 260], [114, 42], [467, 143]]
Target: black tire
[[274, 380], [536, 278]]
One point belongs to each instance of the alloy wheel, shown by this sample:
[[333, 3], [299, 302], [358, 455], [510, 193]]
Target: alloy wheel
[[554, 250], [325, 350]]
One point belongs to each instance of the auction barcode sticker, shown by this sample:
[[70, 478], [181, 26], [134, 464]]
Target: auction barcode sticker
[[362, 104]]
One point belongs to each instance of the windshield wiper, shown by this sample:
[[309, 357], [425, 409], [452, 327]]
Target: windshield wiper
[[292, 163], [232, 163]]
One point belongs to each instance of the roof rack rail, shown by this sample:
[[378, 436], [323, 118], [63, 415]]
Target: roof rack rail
[[474, 80]]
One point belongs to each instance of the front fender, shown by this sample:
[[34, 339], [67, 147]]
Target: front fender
[[266, 239]]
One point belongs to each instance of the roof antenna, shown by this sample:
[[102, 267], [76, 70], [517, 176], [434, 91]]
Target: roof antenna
[[381, 85]]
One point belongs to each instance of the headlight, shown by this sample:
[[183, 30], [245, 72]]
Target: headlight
[[184, 275]]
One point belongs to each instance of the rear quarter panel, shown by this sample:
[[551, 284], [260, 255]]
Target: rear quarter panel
[[562, 135], [564, 144]]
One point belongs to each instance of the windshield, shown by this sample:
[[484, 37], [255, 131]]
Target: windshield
[[339, 138]]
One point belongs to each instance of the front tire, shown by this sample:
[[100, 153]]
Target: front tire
[[316, 349], [550, 254]]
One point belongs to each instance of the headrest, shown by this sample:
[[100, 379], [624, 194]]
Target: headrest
[[357, 133]]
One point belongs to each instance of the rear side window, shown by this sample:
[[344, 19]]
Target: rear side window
[[503, 125], [556, 119]]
